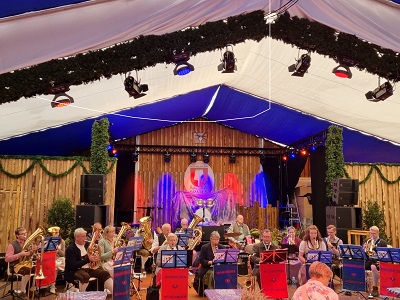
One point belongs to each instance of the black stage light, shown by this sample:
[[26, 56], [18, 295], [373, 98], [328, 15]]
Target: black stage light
[[134, 88], [228, 64], [193, 157], [301, 66], [206, 157], [182, 67], [232, 158], [167, 157], [60, 97], [381, 93]]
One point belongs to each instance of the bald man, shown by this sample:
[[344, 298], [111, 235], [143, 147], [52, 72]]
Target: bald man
[[239, 227]]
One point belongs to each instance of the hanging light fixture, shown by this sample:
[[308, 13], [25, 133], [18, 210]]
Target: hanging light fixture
[[180, 59], [301, 66], [206, 157], [193, 157], [60, 97], [343, 69], [167, 157], [228, 60], [134, 88], [382, 92]]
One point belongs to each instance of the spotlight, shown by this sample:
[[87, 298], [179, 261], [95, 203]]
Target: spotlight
[[303, 152], [193, 157], [284, 157], [301, 66], [228, 64], [135, 156], [343, 69], [182, 67], [232, 158], [262, 158], [382, 92], [167, 157], [206, 157], [60, 97], [134, 88]]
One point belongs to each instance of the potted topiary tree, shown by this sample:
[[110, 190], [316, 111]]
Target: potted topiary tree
[[374, 215], [62, 214]]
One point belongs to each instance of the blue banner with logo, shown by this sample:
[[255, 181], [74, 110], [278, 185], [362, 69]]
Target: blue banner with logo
[[353, 273], [225, 276], [122, 282]]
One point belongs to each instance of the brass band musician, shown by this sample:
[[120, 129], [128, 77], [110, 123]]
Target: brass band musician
[[77, 264], [241, 228], [184, 225], [107, 249], [160, 238], [291, 238], [312, 241], [15, 253], [332, 243], [60, 258], [372, 263], [258, 248], [172, 244]]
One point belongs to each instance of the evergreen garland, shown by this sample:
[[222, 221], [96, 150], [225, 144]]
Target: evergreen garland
[[98, 148], [39, 160], [334, 157], [146, 51]]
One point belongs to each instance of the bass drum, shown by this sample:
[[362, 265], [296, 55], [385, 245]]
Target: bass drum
[[248, 249]]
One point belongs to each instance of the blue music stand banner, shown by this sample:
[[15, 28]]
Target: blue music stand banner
[[353, 275], [174, 258], [388, 254], [122, 280], [225, 276]]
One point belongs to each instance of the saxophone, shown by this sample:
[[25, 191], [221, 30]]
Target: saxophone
[[119, 242], [94, 248], [250, 282], [26, 261]]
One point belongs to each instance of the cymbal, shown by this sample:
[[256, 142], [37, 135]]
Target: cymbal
[[231, 234]]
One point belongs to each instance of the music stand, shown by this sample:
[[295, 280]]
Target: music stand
[[356, 255], [183, 239], [175, 259], [386, 254], [273, 256], [223, 256], [134, 245]]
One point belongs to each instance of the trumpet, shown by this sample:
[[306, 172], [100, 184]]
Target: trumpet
[[291, 240], [328, 242]]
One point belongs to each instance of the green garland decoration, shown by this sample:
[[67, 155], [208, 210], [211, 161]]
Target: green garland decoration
[[146, 51], [39, 160], [98, 149], [334, 157], [371, 170]]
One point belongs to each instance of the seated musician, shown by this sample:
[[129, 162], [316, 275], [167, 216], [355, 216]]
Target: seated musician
[[312, 241], [78, 262], [265, 244], [15, 253], [291, 238], [372, 262], [108, 249], [332, 243], [148, 239], [60, 260], [172, 244], [184, 225], [206, 258], [239, 227], [160, 239]]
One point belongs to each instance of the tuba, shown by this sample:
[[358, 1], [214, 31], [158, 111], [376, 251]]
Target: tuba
[[369, 247], [26, 261], [119, 242], [145, 231], [94, 248], [197, 234]]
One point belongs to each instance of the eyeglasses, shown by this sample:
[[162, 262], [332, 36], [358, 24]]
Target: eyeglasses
[[22, 233]]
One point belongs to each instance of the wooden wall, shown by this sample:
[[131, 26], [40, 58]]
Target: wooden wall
[[376, 188], [151, 167], [24, 201]]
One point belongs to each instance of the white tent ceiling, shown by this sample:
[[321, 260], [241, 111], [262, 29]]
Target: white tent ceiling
[[262, 66]]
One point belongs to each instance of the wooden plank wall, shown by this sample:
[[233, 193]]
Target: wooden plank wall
[[151, 167], [24, 201], [260, 218], [386, 194]]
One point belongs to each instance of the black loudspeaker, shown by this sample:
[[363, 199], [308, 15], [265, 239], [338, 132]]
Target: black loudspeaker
[[345, 192], [87, 215], [344, 217], [341, 233], [92, 188]]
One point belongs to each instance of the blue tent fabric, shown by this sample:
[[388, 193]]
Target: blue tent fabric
[[278, 123]]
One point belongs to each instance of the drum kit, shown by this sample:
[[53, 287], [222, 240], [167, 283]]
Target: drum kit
[[245, 252]]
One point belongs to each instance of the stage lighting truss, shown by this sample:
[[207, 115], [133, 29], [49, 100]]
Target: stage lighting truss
[[301, 66], [228, 60], [381, 93], [60, 97], [343, 69], [134, 88], [180, 59]]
